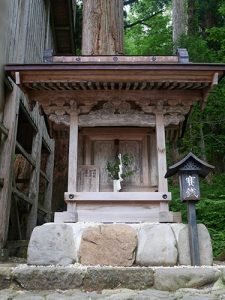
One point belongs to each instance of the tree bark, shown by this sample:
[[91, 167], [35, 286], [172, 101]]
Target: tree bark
[[102, 27], [192, 17], [179, 20]]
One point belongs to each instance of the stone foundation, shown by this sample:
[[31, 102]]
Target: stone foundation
[[144, 244]]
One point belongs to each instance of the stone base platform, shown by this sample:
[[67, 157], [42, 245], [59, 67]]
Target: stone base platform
[[142, 244], [149, 280]]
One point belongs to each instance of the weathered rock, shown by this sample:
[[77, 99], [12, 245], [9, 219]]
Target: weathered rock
[[5, 277], [205, 246], [28, 296], [7, 294], [52, 244], [120, 277], [78, 229], [47, 278], [112, 245], [156, 245], [200, 297], [152, 294], [172, 279]]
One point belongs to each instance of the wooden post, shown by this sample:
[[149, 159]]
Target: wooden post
[[10, 121], [73, 151], [35, 177], [49, 173], [193, 234], [161, 157], [73, 143]]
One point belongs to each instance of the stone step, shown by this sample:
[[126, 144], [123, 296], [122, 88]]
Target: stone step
[[96, 278], [119, 294]]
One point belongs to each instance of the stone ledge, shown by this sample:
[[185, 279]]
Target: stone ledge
[[99, 278]]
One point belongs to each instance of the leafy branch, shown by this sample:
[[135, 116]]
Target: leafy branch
[[128, 2], [112, 167], [143, 20]]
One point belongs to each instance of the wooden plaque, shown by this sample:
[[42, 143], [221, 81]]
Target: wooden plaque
[[88, 178]]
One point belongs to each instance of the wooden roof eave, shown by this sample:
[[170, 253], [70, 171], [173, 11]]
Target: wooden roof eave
[[116, 72], [198, 78]]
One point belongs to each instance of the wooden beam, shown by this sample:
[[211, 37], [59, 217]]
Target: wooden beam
[[29, 116], [43, 174], [120, 197], [35, 177], [10, 120], [15, 219], [22, 196], [49, 174], [25, 154], [116, 59], [3, 129]]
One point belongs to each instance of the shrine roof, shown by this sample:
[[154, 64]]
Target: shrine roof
[[133, 76], [163, 75]]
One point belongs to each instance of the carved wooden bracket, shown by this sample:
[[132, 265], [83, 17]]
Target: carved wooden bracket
[[117, 113]]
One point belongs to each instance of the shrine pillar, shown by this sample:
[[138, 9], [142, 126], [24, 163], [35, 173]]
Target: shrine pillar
[[73, 152], [161, 157]]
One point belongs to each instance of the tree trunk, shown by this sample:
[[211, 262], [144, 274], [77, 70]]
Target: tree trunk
[[102, 27], [179, 20], [192, 17]]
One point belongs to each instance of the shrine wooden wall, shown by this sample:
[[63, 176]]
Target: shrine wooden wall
[[24, 34]]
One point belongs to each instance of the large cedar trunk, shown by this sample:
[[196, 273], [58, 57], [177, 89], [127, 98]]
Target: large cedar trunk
[[179, 20], [102, 27]]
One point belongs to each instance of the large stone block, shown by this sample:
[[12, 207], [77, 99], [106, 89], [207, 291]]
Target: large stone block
[[205, 246], [78, 229], [119, 277], [47, 278], [52, 244], [156, 245], [112, 245], [172, 279]]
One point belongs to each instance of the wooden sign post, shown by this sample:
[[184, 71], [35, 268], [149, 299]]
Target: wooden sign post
[[189, 169]]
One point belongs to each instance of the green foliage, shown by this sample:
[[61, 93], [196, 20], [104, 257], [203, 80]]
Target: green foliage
[[112, 167], [153, 33], [207, 128], [197, 48]]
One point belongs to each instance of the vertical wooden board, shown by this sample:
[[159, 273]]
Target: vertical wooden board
[[49, 173], [153, 167], [80, 149], [88, 179], [133, 148], [103, 151], [87, 150], [34, 181], [145, 162], [6, 161]]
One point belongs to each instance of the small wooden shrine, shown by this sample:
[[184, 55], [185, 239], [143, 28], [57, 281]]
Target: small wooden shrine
[[128, 104]]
